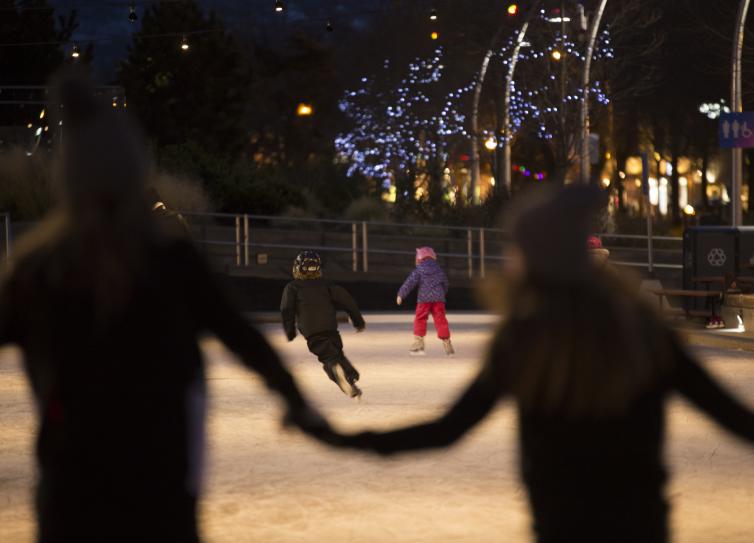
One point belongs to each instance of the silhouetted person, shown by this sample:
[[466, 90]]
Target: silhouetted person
[[589, 368], [172, 222], [107, 310]]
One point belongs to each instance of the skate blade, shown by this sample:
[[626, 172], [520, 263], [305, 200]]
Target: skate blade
[[417, 353], [348, 389]]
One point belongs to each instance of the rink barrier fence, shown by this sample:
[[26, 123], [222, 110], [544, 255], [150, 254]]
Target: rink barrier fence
[[469, 249]]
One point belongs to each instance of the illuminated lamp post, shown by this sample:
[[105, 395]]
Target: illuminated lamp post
[[736, 102]]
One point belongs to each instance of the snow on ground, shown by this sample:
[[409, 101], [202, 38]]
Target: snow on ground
[[266, 485]]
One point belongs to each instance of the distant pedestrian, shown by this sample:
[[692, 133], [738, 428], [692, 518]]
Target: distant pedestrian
[[590, 369], [598, 252], [310, 303], [171, 222], [432, 285]]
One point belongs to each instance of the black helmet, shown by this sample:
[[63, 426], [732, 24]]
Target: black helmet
[[307, 263]]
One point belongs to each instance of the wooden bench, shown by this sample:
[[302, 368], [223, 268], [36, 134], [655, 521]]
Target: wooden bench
[[711, 296]]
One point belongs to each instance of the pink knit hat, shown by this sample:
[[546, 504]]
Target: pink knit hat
[[425, 252]]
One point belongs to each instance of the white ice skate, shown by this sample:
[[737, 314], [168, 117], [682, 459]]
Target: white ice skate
[[417, 347], [348, 388], [448, 346]]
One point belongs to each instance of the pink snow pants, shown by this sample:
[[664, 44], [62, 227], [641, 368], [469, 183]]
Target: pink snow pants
[[438, 316]]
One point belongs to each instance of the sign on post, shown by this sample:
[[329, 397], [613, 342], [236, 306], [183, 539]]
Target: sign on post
[[737, 130]]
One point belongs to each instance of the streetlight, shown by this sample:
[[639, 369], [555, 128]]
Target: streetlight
[[586, 165], [556, 55], [737, 105], [713, 109], [490, 143], [304, 110]]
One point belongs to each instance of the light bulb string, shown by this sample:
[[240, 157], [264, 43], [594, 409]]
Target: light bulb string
[[79, 42]]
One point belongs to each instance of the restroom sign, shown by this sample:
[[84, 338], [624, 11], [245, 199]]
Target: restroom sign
[[737, 130]]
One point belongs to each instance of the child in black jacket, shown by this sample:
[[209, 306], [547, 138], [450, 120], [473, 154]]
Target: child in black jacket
[[312, 302]]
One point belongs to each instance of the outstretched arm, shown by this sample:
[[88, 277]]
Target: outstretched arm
[[6, 313], [288, 311], [693, 381], [343, 300], [409, 284], [217, 314], [473, 405]]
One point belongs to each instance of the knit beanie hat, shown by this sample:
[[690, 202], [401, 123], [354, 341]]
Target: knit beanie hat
[[425, 252], [551, 234]]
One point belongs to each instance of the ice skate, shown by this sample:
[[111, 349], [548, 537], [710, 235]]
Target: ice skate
[[417, 347], [349, 388], [448, 346]]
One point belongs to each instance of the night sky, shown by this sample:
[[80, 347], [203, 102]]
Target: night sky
[[106, 20]]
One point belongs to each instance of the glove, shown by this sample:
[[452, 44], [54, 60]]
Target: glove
[[399, 300]]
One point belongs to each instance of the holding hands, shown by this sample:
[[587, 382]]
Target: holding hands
[[399, 300]]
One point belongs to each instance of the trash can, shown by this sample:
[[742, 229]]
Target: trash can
[[745, 265], [710, 252]]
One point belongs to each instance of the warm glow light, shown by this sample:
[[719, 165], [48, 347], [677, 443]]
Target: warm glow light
[[433, 15], [622, 175], [557, 55], [512, 9], [304, 110], [75, 52], [605, 182], [434, 35], [490, 143], [29, 125], [184, 44], [689, 210], [279, 6]]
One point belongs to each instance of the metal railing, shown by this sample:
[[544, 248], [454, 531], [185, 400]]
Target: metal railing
[[472, 248], [367, 243]]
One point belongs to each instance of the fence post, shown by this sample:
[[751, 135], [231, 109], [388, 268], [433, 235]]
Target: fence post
[[364, 247], [650, 258], [246, 240], [481, 253], [469, 248], [238, 241], [6, 220], [354, 250]]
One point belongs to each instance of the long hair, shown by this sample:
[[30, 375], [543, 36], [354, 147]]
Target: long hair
[[577, 340], [579, 350], [97, 239]]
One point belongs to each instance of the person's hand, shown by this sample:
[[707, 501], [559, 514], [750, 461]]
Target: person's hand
[[399, 300]]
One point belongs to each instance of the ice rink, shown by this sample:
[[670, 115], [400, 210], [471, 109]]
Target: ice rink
[[266, 485]]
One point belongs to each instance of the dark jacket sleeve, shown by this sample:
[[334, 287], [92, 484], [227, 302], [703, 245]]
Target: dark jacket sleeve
[[693, 381], [218, 315], [6, 316], [288, 311], [343, 300], [473, 405]]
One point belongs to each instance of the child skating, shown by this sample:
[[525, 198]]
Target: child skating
[[433, 286], [310, 302]]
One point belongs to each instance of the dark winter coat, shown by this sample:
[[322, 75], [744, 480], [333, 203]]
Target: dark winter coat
[[312, 304], [431, 280], [120, 400]]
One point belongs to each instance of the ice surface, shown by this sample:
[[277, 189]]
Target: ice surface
[[265, 485]]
